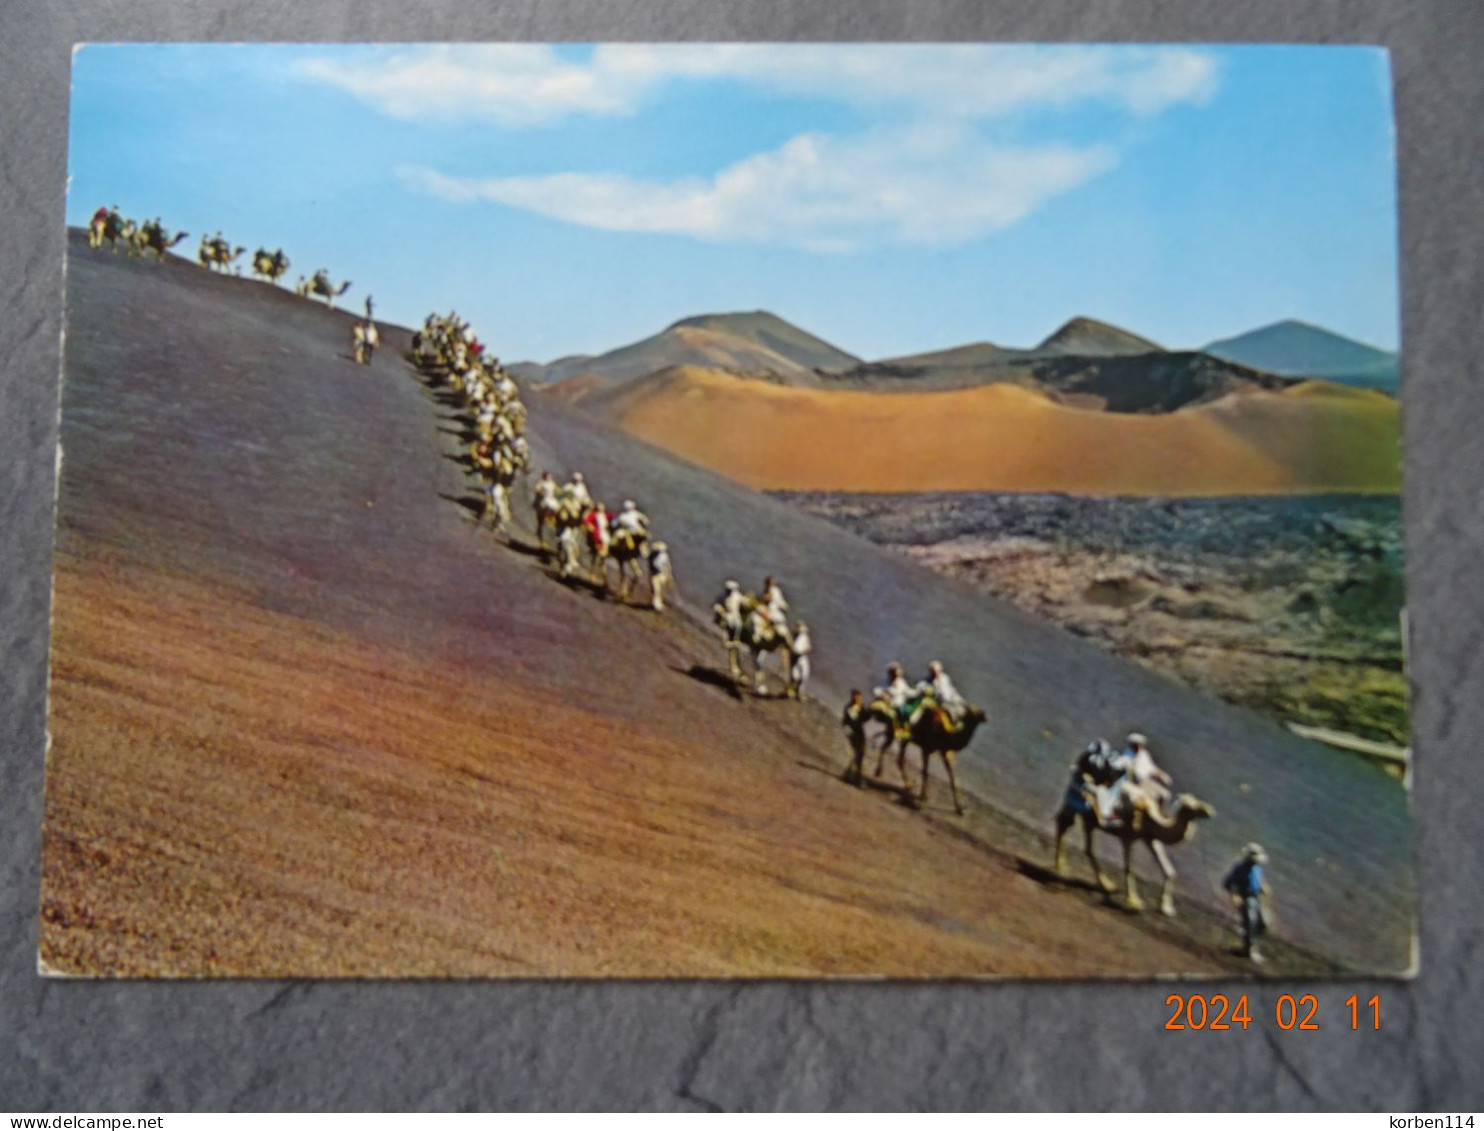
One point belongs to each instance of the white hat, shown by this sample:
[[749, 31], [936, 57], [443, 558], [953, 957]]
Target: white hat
[[733, 585], [1256, 853], [1136, 739], [660, 546]]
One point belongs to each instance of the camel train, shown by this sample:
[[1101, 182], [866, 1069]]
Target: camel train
[[109, 226], [1097, 798]]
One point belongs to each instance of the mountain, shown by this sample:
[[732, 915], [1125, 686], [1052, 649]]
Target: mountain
[[1304, 438], [755, 342], [1145, 383], [773, 333], [1298, 349], [975, 355], [1087, 337], [309, 720], [1085, 363], [1148, 383]]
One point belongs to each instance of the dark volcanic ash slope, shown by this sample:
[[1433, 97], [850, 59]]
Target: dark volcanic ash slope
[[307, 719]]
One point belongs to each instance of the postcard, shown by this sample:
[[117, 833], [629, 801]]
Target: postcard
[[729, 511]]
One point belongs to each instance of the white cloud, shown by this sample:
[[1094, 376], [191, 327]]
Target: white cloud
[[533, 84], [508, 84], [925, 174], [922, 185]]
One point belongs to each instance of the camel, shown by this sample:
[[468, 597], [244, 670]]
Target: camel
[[933, 733], [630, 554], [546, 515], [1139, 821], [880, 711], [759, 636], [270, 266], [568, 522], [216, 254], [499, 473], [319, 286], [151, 237], [106, 229]]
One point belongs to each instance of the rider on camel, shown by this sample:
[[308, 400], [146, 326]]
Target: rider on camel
[[729, 609], [577, 493], [775, 606], [1138, 766], [631, 524], [939, 687], [898, 694], [598, 534]]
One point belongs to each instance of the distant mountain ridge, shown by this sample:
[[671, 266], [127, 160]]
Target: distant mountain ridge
[[1084, 363], [1293, 348], [755, 343]]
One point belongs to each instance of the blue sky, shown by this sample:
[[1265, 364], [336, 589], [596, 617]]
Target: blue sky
[[890, 199]]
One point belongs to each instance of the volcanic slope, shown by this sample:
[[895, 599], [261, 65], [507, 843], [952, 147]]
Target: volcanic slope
[[1308, 438], [308, 719], [753, 342]]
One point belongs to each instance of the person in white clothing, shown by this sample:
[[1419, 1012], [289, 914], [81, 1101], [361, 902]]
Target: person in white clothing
[[577, 492], [775, 605], [944, 693], [897, 692], [730, 609], [631, 523], [798, 654], [661, 575], [1142, 772]]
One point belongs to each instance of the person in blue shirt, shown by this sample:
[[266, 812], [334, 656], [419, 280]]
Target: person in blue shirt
[[1247, 886]]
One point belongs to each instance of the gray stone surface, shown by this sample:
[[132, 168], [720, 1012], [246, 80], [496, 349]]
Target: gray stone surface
[[256, 1046]]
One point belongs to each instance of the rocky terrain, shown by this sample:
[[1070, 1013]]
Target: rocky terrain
[[1289, 606]]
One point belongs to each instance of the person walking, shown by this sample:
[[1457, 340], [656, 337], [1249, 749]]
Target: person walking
[[1248, 888]]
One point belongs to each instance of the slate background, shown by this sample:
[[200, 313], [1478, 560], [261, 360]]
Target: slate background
[[257, 1046]]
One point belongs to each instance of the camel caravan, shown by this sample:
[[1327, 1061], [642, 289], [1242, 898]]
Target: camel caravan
[[1124, 795], [586, 538], [109, 226]]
